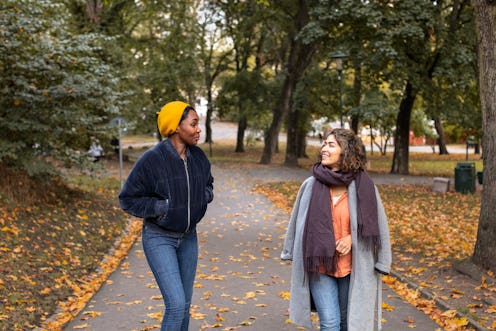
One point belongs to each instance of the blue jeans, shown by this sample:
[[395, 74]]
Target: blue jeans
[[330, 295], [172, 258]]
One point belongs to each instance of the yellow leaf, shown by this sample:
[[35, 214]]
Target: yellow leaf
[[46, 291], [157, 316], [457, 322], [455, 291], [92, 313], [491, 310], [11, 230], [136, 302], [197, 316], [449, 313], [387, 307]]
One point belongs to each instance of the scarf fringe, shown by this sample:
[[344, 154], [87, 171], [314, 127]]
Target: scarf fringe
[[313, 264], [370, 242]]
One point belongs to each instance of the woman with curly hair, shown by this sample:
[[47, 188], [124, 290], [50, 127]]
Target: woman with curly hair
[[338, 240]]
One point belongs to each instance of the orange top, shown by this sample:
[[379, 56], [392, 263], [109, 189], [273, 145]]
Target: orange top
[[342, 228]]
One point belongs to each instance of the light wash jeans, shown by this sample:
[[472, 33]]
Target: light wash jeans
[[330, 295], [173, 258]]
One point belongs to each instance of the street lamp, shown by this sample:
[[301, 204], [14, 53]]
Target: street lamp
[[339, 57]]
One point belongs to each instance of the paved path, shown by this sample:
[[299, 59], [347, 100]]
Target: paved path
[[240, 281]]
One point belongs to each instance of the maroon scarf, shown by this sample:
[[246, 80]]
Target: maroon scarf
[[319, 243]]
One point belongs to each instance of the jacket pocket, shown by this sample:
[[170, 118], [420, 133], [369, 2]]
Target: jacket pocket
[[162, 211]]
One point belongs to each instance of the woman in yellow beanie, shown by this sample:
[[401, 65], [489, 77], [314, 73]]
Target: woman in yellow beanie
[[169, 187]]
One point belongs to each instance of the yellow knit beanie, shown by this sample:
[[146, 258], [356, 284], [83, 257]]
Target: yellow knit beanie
[[169, 117]]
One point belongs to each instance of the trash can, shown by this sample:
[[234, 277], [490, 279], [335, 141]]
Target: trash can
[[465, 177], [479, 177]]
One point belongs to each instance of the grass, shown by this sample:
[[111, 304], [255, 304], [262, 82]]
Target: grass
[[55, 235], [420, 164], [426, 164]]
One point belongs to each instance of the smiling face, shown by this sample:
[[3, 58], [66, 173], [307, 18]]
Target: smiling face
[[189, 129], [331, 153]]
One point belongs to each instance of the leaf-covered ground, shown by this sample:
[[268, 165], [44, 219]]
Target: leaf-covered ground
[[431, 234], [52, 238]]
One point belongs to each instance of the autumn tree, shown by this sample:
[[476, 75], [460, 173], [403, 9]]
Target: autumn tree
[[485, 246], [301, 48], [155, 52], [245, 26], [419, 42], [56, 91], [162, 65], [214, 57]]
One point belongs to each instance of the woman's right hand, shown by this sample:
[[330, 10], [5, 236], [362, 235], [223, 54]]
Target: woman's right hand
[[343, 245]]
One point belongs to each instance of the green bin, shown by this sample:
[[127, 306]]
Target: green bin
[[465, 177], [479, 176]]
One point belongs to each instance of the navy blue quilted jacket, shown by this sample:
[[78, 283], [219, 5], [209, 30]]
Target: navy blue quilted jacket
[[167, 190]]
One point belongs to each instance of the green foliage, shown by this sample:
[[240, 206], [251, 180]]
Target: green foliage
[[248, 88], [420, 125], [431, 45], [61, 65], [162, 57], [56, 91], [377, 110]]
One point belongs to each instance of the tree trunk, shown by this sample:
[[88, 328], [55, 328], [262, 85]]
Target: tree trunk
[[208, 120], [296, 137], [357, 93], [477, 149], [94, 10], [299, 58], [291, 159], [242, 124], [301, 143], [441, 141], [278, 115], [402, 134], [485, 245]]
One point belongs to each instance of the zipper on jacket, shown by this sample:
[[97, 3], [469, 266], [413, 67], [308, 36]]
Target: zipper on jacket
[[185, 160]]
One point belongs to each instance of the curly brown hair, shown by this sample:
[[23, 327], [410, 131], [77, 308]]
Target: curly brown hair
[[353, 158]]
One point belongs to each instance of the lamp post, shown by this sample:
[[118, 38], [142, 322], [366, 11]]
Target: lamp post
[[339, 57], [120, 122]]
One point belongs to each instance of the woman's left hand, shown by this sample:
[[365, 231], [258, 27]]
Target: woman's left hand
[[343, 245]]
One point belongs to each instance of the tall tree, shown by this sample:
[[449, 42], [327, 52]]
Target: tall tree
[[354, 32], [299, 56], [246, 26], [163, 57], [214, 56], [310, 36], [485, 246], [415, 37], [56, 91]]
